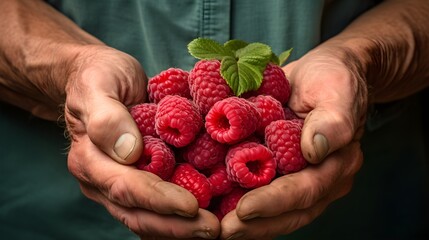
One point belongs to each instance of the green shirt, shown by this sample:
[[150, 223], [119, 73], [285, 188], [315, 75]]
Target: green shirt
[[41, 200]]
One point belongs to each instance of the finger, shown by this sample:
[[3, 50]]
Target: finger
[[270, 227], [100, 101], [326, 128], [125, 185], [151, 225], [303, 189], [111, 127]]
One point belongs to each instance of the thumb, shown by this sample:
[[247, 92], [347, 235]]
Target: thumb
[[325, 130], [111, 128]]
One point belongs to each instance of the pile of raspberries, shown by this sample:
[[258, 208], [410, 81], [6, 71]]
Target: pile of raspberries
[[199, 135]]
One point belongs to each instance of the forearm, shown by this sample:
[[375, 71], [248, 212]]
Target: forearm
[[389, 44], [38, 49]]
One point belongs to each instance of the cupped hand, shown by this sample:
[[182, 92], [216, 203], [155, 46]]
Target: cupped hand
[[328, 90], [105, 142]]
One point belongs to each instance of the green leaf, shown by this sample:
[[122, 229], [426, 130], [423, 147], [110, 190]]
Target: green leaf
[[229, 71], [257, 51], [240, 76], [275, 59], [235, 44], [204, 48], [246, 73], [284, 56], [250, 76]]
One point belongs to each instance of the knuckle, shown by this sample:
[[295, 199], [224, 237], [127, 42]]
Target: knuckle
[[344, 190], [75, 166], [89, 192], [118, 192], [346, 128], [296, 223], [315, 191], [97, 123]]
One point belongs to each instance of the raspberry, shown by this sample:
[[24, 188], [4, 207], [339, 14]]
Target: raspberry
[[204, 152], [218, 179], [274, 83], [232, 119], [207, 85], [186, 176], [173, 81], [250, 164], [270, 108], [289, 114], [144, 116], [283, 137], [156, 158], [229, 201], [177, 120]]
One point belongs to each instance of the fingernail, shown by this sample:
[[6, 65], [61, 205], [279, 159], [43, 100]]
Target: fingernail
[[320, 146], [183, 214], [235, 236], [250, 216], [124, 145], [203, 234]]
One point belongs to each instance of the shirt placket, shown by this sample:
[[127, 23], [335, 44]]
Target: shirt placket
[[215, 19]]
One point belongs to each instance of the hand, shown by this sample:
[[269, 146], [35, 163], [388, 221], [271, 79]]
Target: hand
[[329, 92], [101, 130]]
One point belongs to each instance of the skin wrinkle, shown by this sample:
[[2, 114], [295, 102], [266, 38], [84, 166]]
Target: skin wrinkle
[[386, 56], [312, 193], [121, 214], [155, 199], [361, 89], [285, 189], [305, 218], [75, 168], [117, 190]]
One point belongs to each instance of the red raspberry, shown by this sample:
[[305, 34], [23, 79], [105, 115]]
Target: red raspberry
[[250, 164], [289, 113], [270, 108], [232, 119], [229, 201], [204, 152], [274, 83], [144, 116], [283, 137], [207, 85], [218, 179], [173, 81], [186, 176], [156, 158], [177, 120]]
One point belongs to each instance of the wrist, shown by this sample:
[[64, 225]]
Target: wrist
[[37, 53]]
